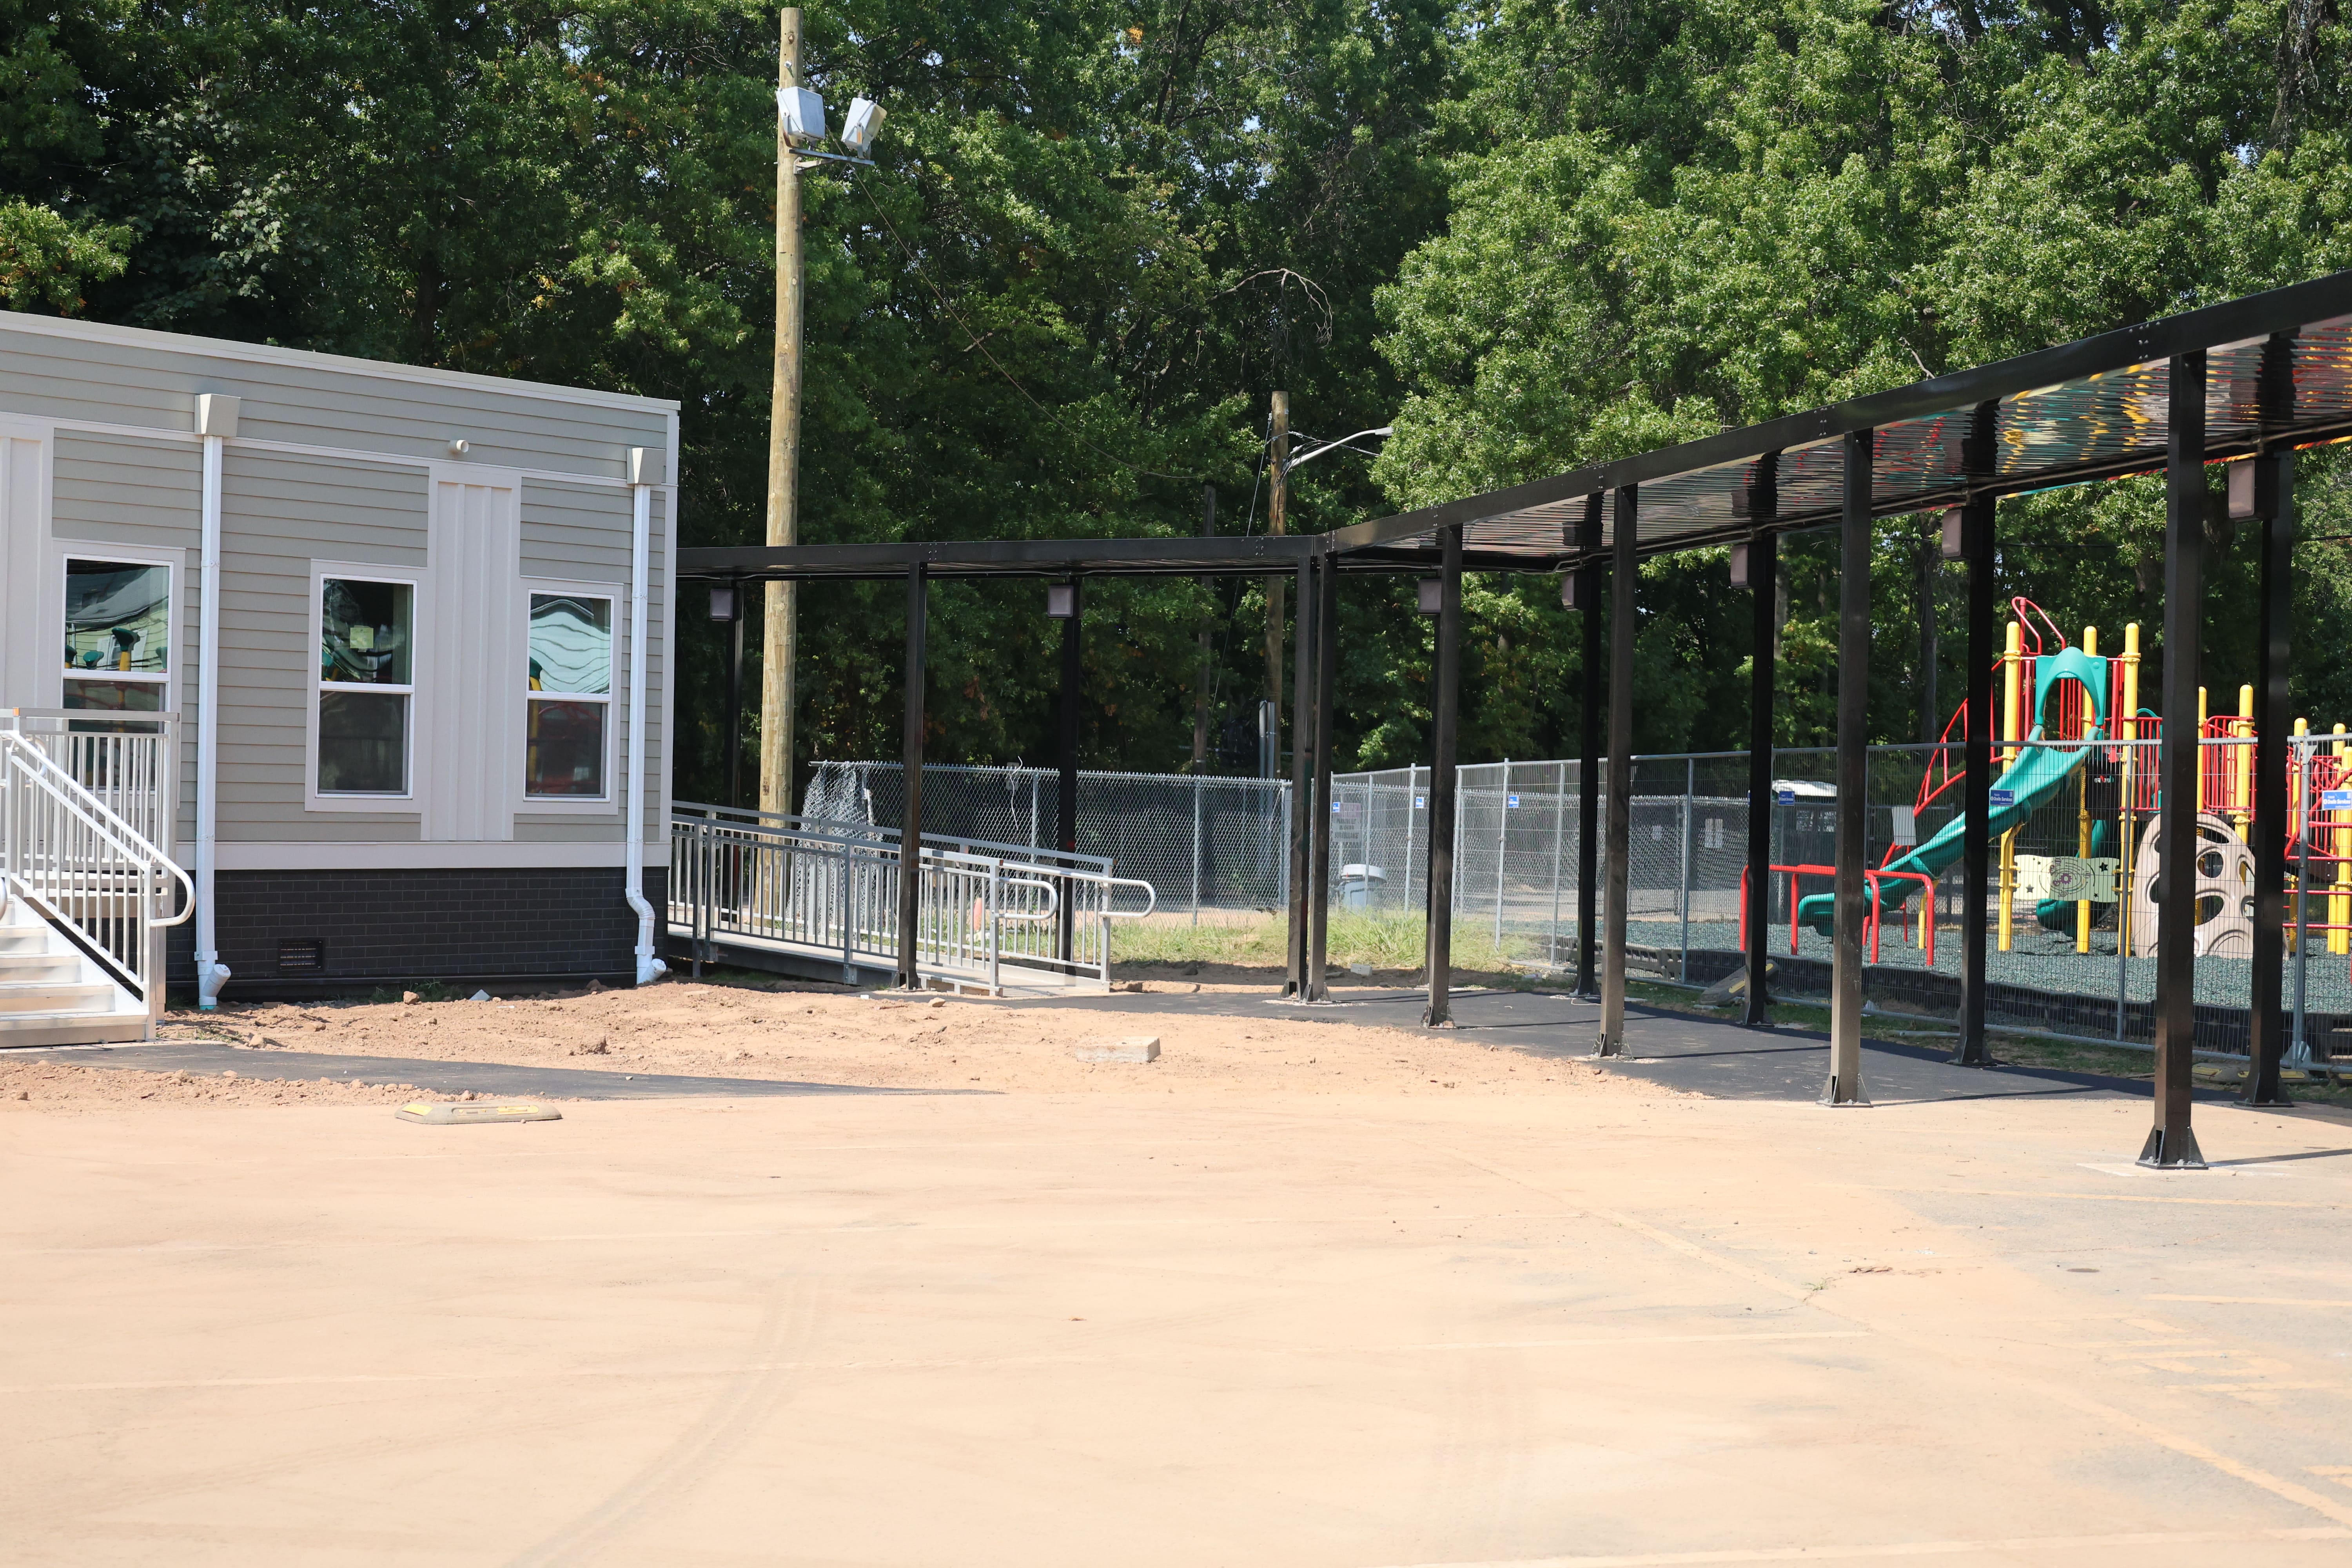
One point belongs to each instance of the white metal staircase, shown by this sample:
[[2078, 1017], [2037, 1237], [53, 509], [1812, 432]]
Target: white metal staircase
[[85, 897]]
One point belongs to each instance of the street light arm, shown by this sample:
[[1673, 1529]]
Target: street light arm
[[1335, 445]]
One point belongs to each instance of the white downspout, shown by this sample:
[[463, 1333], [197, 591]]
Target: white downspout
[[642, 460], [215, 421]]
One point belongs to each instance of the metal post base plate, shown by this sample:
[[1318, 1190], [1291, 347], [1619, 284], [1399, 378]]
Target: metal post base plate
[[1834, 1095], [1605, 1046], [2182, 1155]]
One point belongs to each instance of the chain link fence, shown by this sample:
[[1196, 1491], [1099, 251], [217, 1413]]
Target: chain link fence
[[2070, 943], [1204, 843]]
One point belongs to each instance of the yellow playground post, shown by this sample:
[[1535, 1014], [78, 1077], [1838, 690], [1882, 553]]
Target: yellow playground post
[[2339, 842], [2128, 730], [2082, 810], [2242, 803], [2011, 658]]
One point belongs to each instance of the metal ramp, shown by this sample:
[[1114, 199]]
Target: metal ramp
[[820, 898], [83, 892]]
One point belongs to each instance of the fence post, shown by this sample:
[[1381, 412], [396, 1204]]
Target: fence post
[[848, 923], [1690, 787], [1502, 845], [1196, 849]]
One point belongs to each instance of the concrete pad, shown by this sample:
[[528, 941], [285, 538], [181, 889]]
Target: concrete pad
[[1339, 1332], [1119, 1048]]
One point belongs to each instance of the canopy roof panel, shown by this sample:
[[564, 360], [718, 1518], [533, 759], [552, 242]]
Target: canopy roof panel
[[2279, 369]]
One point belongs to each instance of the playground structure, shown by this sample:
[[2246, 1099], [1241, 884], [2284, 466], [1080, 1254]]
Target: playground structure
[[2073, 732]]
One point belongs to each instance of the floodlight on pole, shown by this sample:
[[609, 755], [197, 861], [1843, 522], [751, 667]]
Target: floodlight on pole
[[800, 121], [801, 113], [859, 126]]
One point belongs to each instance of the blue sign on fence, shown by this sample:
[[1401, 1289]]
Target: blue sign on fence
[[2336, 800], [2001, 799], [1420, 803], [1510, 803], [1788, 797]]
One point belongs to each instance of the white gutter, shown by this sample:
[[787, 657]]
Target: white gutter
[[643, 464], [215, 421]]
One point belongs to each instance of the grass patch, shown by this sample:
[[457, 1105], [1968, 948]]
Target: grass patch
[[1390, 943]]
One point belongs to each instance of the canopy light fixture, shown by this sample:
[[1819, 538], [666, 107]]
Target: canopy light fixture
[[1432, 594], [1955, 539], [1739, 567], [1572, 591], [723, 602], [1061, 601]]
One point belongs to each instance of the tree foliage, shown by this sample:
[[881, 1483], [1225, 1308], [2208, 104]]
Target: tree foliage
[[1528, 233]]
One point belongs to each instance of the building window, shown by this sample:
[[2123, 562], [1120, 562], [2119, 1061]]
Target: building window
[[570, 695], [118, 635], [365, 686]]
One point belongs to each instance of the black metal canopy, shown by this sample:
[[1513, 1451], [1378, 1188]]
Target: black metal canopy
[[2279, 373], [1178, 555]]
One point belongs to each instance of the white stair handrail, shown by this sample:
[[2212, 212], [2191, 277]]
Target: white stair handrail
[[99, 818]]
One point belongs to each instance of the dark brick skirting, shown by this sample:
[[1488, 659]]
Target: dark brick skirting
[[1900, 989], [381, 928]]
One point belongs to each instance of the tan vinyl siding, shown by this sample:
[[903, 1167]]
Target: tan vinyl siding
[[279, 512], [119, 377], [381, 434], [117, 489], [145, 493], [575, 531]]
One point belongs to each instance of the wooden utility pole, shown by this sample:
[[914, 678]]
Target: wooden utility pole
[[1278, 496], [778, 650]]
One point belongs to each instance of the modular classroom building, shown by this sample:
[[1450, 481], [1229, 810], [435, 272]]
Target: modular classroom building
[[438, 599]]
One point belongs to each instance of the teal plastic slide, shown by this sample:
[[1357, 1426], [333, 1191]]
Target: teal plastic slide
[[2038, 774]]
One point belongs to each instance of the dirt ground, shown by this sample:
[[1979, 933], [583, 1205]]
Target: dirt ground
[[1557, 1328], [51, 1086], [832, 1037]]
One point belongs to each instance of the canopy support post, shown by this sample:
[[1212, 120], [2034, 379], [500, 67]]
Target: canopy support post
[[1326, 638], [1844, 1085], [1763, 673], [2171, 1141], [1625, 571], [910, 825], [1445, 727], [1979, 539], [1302, 778], [1590, 577], [2271, 502]]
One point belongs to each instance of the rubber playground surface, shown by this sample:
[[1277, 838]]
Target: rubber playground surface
[[1661, 1313]]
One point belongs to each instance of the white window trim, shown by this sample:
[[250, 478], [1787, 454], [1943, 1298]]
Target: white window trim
[[609, 803], [174, 563], [321, 571]]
